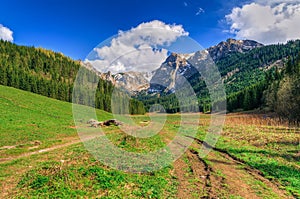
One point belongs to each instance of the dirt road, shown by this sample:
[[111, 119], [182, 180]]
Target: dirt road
[[220, 176]]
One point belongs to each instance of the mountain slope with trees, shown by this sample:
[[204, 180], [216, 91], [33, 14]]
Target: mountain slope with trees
[[53, 75], [283, 93], [246, 75]]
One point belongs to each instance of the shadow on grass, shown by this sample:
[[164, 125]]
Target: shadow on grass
[[291, 155]]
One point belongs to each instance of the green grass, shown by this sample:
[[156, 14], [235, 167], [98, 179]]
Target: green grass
[[74, 172], [80, 175], [27, 117], [71, 171]]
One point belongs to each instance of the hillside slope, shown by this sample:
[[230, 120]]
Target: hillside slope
[[53, 75], [31, 122]]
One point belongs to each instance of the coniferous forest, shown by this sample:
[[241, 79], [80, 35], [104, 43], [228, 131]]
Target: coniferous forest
[[283, 93], [51, 74]]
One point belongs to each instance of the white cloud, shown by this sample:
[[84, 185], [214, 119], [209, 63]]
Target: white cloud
[[266, 21], [276, 2], [200, 11], [136, 49], [6, 33]]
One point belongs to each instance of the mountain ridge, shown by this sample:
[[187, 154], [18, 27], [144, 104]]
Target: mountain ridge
[[217, 52], [229, 46]]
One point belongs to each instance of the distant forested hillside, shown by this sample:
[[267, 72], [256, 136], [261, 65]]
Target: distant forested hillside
[[50, 74], [257, 70], [283, 93]]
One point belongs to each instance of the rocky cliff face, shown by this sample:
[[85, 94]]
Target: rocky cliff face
[[176, 70], [165, 76], [132, 81], [225, 48]]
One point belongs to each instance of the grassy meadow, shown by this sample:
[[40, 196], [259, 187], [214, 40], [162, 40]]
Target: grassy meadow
[[41, 156]]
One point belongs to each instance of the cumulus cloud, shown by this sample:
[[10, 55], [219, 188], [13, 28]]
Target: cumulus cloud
[[276, 2], [5, 33], [139, 49], [266, 21]]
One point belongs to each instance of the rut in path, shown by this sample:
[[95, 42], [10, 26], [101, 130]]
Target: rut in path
[[198, 171], [234, 180]]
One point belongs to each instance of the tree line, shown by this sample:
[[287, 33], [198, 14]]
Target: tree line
[[53, 75]]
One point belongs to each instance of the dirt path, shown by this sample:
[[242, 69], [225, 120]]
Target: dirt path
[[221, 176], [5, 160], [196, 171], [237, 172]]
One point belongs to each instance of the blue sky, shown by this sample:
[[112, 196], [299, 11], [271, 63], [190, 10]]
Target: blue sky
[[76, 27]]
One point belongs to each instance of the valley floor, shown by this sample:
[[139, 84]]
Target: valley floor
[[255, 158]]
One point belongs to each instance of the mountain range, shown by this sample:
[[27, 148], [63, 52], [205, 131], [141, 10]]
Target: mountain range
[[180, 64], [246, 68]]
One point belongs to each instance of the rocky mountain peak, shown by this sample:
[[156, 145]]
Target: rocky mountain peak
[[229, 46], [176, 60], [172, 58], [166, 76]]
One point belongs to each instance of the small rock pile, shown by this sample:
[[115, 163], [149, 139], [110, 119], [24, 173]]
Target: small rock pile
[[95, 123]]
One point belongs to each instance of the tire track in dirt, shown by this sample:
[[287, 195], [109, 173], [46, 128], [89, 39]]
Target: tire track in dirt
[[233, 179], [202, 172], [223, 177], [201, 183], [193, 177]]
